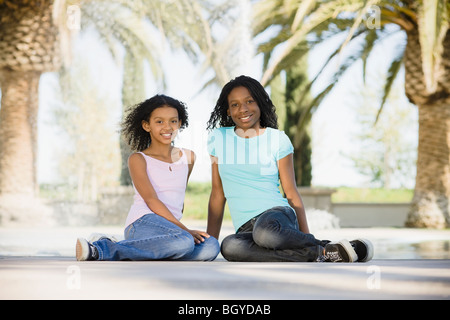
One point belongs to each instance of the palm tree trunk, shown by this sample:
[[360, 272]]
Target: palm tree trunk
[[29, 46], [430, 205], [18, 132], [18, 150]]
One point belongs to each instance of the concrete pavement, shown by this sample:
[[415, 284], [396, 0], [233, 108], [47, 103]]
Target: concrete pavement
[[39, 263], [64, 278]]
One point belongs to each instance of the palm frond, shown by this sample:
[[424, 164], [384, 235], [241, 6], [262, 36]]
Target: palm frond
[[434, 24], [391, 76], [267, 13], [116, 22], [358, 20], [303, 10], [309, 110], [369, 43], [321, 14]]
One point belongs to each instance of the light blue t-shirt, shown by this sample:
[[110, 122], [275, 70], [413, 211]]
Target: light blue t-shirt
[[248, 170]]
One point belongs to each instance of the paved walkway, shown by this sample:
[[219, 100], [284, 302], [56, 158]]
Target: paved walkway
[[64, 278], [38, 263]]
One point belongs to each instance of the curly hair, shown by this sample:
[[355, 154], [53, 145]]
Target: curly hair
[[131, 126], [219, 116]]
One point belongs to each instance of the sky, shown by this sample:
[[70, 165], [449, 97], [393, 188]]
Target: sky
[[332, 124]]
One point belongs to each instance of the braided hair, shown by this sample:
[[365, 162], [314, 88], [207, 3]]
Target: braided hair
[[134, 134], [219, 116]]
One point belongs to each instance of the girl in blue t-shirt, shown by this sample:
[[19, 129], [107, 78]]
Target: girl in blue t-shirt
[[250, 158]]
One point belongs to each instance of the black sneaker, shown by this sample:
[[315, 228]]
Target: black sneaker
[[86, 250], [363, 248], [341, 251]]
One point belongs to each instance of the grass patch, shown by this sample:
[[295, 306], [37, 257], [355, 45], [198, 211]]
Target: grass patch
[[196, 201], [369, 195], [58, 192]]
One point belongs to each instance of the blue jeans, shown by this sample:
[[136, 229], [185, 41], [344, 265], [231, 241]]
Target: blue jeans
[[153, 237], [272, 236]]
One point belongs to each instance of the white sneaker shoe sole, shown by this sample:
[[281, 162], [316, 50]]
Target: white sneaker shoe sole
[[349, 249], [82, 249], [369, 247]]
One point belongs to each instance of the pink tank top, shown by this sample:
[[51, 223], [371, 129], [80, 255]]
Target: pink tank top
[[169, 181]]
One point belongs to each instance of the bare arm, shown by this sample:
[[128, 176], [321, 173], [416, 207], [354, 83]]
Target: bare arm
[[191, 157], [191, 161], [216, 202], [287, 178]]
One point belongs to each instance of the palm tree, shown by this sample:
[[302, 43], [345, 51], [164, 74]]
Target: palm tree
[[29, 46], [425, 56]]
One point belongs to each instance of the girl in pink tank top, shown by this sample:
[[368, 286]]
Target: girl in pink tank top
[[160, 172]]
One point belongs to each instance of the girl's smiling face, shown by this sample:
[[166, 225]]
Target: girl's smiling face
[[243, 109], [163, 124]]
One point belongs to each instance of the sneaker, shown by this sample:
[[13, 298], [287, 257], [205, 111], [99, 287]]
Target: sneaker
[[363, 248], [85, 250], [341, 251]]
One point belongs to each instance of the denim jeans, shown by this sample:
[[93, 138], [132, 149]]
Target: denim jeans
[[153, 237], [272, 236]]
